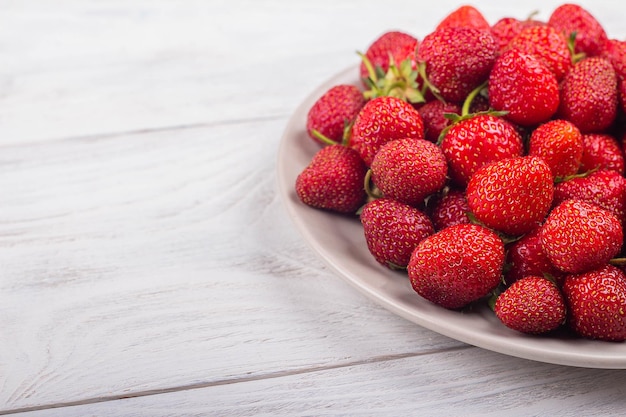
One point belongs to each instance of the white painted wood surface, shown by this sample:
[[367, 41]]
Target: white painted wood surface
[[147, 266]]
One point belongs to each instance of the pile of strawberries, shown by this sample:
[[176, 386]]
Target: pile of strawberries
[[487, 162]]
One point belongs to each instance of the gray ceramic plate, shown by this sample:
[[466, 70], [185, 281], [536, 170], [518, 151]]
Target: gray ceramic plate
[[339, 241]]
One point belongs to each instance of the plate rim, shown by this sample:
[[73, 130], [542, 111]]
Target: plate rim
[[579, 352]]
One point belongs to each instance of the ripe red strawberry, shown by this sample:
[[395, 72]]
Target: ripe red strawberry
[[531, 305], [579, 236], [398, 45], [393, 230], [381, 120], [606, 189], [433, 117], [449, 209], [560, 144], [525, 257], [332, 112], [465, 16], [476, 141], [408, 170], [614, 51], [595, 302], [457, 265], [589, 95], [505, 29], [524, 87], [512, 195], [457, 60], [572, 18], [546, 44], [333, 180], [601, 151]]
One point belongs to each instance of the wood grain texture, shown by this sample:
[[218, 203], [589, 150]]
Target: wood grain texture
[[489, 385], [148, 263], [145, 252], [77, 68]]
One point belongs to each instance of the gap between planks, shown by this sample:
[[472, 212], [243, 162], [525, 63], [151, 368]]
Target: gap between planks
[[189, 126], [234, 380]]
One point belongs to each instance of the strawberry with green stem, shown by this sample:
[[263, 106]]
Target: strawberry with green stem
[[474, 142], [390, 48], [574, 20], [332, 113], [400, 80], [455, 60], [476, 139]]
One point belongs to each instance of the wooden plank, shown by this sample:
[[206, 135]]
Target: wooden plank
[[78, 68], [140, 262], [473, 382], [162, 260]]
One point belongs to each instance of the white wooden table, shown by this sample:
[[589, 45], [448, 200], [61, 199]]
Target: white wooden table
[[147, 265]]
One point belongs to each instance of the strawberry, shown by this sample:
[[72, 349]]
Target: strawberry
[[333, 180], [589, 95], [505, 29], [408, 170], [601, 151], [512, 195], [332, 112], [393, 230], [457, 265], [392, 46], [531, 305], [523, 86], [433, 117], [525, 257], [381, 120], [579, 236], [457, 60], [465, 16], [614, 51], [560, 144], [546, 44], [606, 189], [475, 141], [595, 301], [572, 19], [448, 209]]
